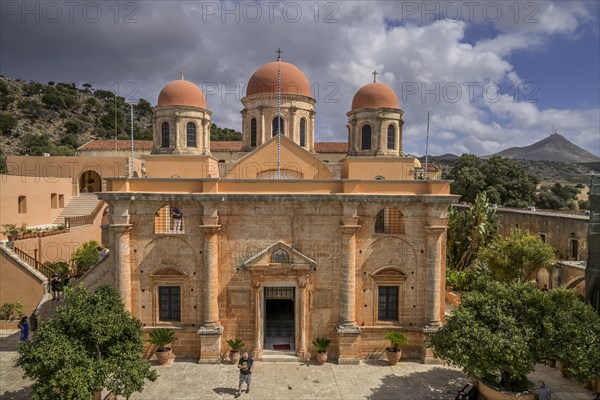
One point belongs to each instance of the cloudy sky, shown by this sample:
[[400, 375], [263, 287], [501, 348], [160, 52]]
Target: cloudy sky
[[495, 74]]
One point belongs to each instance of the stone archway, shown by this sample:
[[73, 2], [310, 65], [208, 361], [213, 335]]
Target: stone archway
[[90, 182]]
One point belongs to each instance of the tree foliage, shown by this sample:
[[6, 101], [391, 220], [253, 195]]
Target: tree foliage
[[557, 196], [224, 134], [505, 181], [8, 122], [469, 231], [85, 257], [91, 345], [499, 333], [517, 257]]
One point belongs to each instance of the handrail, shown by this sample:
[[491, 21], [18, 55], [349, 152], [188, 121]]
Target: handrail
[[45, 270], [84, 219]]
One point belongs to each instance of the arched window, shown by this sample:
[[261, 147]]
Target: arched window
[[391, 142], [389, 220], [275, 126], [169, 219], [191, 134], [165, 134], [303, 132], [253, 132], [366, 137]]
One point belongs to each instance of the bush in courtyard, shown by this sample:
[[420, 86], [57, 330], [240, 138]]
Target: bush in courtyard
[[85, 257], [92, 344]]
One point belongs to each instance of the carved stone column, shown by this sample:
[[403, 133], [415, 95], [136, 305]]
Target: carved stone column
[[311, 143], [379, 137], [263, 133], [123, 262], [258, 322], [211, 329], [205, 137], [301, 346], [434, 276], [348, 332], [293, 126]]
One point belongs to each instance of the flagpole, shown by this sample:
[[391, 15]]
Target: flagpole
[[278, 113], [427, 144]]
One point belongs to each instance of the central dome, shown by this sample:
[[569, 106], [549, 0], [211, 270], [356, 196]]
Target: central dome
[[181, 93], [264, 80], [375, 95]]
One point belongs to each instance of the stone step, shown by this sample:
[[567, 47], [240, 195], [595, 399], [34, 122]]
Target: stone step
[[279, 356]]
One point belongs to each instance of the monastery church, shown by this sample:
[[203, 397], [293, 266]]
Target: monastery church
[[278, 247]]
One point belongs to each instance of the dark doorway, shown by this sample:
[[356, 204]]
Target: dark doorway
[[279, 318]]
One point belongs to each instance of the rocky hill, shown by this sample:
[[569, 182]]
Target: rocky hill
[[553, 148], [56, 118]]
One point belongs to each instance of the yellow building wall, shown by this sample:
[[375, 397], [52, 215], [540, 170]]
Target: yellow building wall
[[399, 168], [19, 284], [173, 166], [39, 207]]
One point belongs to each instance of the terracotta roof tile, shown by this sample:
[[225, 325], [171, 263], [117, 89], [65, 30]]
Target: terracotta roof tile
[[109, 145], [140, 145]]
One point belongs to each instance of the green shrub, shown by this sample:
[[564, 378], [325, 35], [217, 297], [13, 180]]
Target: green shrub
[[19, 308], [85, 257], [8, 122], [6, 310], [321, 344], [161, 337], [235, 344], [396, 340]]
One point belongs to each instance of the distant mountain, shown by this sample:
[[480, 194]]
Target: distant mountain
[[554, 148], [447, 157]]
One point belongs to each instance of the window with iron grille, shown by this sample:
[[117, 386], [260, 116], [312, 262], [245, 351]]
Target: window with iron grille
[[169, 303], [389, 220], [303, 132], [275, 125], [366, 137], [165, 134], [191, 134], [391, 137], [253, 132], [387, 305]]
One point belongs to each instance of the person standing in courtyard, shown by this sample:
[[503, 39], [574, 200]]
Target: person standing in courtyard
[[33, 324], [24, 327], [245, 366], [55, 286]]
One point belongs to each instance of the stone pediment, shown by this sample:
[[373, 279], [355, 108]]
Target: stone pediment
[[279, 254]]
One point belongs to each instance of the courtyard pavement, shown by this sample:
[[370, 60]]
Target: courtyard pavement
[[374, 380]]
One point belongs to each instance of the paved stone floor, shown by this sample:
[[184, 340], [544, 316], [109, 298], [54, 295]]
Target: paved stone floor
[[297, 381]]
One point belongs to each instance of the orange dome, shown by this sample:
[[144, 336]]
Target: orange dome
[[181, 93], [293, 81], [375, 95]]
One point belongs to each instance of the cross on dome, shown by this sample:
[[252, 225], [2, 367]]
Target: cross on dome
[[279, 51], [375, 73]]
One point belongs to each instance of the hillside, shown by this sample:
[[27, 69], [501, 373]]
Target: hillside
[[553, 148], [56, 118]]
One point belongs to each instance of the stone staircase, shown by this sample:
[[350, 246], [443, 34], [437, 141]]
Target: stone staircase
[[81, 205], [279, 356]]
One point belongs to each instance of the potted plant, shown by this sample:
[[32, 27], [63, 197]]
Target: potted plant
[[11, 231], [321, 344], [234, 353], [394, 352], [160, 338]]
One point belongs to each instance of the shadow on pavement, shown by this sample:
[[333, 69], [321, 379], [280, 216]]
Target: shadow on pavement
[[222, 390], [10, 343], [22, 394], [435, 384]]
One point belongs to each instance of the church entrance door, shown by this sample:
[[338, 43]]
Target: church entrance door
[[279, 320]]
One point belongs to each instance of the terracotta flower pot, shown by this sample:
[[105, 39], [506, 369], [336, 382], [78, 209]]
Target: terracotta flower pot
[[393, 356], [492, 394], [234, 356], [321, 358], [163, 356]]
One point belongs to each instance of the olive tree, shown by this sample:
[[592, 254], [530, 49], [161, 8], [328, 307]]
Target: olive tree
[[93, 344]]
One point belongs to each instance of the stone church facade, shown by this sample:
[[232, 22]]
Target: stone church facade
[[278, 256]]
